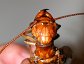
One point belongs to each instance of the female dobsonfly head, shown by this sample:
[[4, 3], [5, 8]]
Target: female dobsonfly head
[[43, 30]]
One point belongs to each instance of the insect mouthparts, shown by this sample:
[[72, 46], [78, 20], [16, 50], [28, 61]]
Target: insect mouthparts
[[45, 9]]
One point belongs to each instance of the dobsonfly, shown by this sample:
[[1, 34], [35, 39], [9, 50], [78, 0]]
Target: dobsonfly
[[44, 32]]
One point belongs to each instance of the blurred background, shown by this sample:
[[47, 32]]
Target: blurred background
[[16, 15]]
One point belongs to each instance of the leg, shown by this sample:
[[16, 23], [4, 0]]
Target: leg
[[29, 39]]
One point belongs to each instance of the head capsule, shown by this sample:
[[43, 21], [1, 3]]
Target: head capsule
[[45, 29]]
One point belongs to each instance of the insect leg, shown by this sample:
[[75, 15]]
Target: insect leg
[[29, 39]]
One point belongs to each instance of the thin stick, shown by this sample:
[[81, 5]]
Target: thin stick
[[68, 16], [15, 38]]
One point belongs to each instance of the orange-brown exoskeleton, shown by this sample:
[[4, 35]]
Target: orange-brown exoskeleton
[[43, 33]]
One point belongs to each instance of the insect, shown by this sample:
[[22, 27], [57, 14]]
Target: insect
[[43, 32]]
